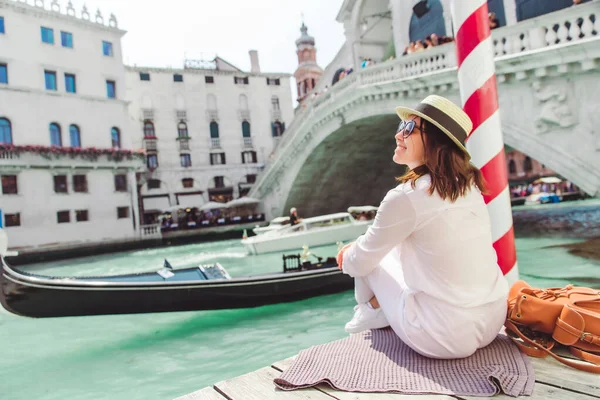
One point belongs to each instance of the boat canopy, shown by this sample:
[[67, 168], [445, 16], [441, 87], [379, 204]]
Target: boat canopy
[[328, 217], [361, 209]]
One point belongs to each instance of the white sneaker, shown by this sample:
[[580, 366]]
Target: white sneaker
[[365, 318]]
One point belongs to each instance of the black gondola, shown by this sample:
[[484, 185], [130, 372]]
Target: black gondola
[[190, 289]]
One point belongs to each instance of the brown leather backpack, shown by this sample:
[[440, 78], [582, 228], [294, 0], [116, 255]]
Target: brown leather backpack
[[540, 318]]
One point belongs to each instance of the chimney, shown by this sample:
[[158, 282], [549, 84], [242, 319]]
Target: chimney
[[254, 66]]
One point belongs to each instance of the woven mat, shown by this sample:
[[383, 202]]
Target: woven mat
[[378, 361]]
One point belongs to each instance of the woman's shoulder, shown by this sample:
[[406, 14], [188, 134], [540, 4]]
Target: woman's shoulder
[[421, 185]]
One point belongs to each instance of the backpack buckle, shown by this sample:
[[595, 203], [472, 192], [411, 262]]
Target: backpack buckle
[[587, 337]]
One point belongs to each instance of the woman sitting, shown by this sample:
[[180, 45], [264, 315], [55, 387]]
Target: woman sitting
[[426, 267]]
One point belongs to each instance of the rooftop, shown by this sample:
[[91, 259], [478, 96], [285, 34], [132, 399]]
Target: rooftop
[[55, 10]]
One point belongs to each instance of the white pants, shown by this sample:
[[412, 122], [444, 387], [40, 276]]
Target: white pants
[[432, 329]]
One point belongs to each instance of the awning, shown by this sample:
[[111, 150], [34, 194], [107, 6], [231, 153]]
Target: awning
[[190, 200], [222, 190], [159, 203]]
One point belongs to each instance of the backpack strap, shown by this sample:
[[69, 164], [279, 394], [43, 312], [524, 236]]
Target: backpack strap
[[584, 355], [539, 350], [528, 346]]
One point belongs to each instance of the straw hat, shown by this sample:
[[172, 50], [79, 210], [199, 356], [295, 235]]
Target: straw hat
[[444, 114]]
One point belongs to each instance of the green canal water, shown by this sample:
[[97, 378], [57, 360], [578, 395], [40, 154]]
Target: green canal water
[[162, 356]]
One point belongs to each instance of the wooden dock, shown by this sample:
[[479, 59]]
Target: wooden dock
[[553, 381]]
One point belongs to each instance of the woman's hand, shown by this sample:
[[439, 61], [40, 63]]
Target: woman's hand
[[340, 256]]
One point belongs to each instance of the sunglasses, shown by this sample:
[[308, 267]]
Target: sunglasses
[[407, 128]]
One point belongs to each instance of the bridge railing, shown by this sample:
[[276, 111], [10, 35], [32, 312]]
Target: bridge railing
[[569, 25], [576, 23]]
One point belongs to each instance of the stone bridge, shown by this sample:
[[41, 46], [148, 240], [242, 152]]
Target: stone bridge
[[337, 151]]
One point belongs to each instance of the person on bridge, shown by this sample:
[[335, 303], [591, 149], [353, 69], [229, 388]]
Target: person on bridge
[[427, 266], [294, 220]]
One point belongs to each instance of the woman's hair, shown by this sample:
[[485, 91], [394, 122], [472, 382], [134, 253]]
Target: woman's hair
[[452, 174]]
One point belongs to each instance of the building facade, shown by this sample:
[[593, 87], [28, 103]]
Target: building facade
[[523, 169], [207, 129], [66, 160]]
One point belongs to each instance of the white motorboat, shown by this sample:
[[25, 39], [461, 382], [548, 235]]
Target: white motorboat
[[314, 231], [276, 223]]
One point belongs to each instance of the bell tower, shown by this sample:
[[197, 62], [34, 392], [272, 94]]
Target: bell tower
[[308, 72]]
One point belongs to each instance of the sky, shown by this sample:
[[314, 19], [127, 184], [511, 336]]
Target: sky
[[163, 33]]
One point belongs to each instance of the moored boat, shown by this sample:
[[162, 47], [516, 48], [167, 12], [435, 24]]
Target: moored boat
[[165, 290], [313, 231], [274, 224]]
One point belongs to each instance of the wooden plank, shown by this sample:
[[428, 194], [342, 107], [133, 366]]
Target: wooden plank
[[208, 393], [553, 373], [541, 392], [284, 364], [258, 385]]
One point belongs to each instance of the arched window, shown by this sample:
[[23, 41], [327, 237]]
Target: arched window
[[149, 129], [512, 167], [243, 102], [275, 103], [5, 131], [75, 136], [211, 102], [527, 164], [277, 128], [214, 130], [55, 136], [246, 129], [182, 130], [431, 22], [115, 137]]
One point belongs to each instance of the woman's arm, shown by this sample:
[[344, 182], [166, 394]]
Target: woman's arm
[[395, 221]]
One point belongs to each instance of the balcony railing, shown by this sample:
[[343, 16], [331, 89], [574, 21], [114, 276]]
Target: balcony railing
[[568, 25], [247, 143], [147, 113], [181, 115], [275, 114], [184, 143], [150, 231], [9, 155], [214, 143], [150, 144], [212, 115], [244, 115], [29, 156]]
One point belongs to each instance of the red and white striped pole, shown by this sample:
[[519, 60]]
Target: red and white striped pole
[[479, 95]]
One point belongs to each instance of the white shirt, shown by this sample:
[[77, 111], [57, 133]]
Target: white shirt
[[444, 250]]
